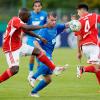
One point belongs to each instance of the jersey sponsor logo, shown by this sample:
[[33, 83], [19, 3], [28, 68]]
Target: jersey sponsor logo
[[35, 23], [42, 18]]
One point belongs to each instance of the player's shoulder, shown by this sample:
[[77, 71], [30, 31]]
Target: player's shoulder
[[43, 12], [60, 25], [15, 18]]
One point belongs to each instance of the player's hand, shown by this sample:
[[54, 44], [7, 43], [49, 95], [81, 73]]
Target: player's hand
[[79, 55], [48, 25], [44, 40]]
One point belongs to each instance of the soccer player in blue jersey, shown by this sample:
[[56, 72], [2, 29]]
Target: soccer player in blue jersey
[[50, 35], [38, 17]]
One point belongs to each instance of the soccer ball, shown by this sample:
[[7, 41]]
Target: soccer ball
[[75, 25]]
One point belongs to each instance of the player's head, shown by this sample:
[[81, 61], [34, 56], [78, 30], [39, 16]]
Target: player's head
[[37, 6], [52, 18], [24, 14], [82, 8]]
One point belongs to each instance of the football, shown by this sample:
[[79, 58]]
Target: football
[[75, 25]]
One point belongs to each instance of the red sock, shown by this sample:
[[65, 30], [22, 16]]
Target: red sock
[[98, 76], [90, 69], [44, 59], [6, 75]]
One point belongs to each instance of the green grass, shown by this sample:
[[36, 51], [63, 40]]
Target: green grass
[[63, 87]]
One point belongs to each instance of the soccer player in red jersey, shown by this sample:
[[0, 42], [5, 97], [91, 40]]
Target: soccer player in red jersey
[[13, 47], [87, 41]]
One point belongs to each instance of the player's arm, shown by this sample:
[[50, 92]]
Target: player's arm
[[35, 35], [79, 52], [32, 27], [98, 19]]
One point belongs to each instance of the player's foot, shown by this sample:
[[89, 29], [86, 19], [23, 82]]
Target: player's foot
[[30, 75], [59, 70], [34, 95], [79, 71], [32, 82]]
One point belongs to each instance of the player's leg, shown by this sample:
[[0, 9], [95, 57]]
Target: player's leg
[[32, 58], [31, 66], [44, 59], [43, 83], [13, 62], [91, 52], [40, 71], [29, 50]]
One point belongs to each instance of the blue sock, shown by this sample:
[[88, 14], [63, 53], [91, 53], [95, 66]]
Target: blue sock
[[40, 86], [31, 66]]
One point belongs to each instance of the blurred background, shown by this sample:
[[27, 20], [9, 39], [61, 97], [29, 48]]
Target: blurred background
[[64, 9]]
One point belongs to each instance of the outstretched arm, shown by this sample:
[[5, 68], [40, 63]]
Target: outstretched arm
[[37, 36], [79, 52], [31, 27]]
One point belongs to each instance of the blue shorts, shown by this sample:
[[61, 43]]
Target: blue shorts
[[44, 69]]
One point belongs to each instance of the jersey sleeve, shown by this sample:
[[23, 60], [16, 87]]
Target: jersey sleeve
[[17, 23], [41, 33], [98, 19], [60, 28]]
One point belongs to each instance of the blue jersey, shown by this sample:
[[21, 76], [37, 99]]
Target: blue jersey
[[50, 35], [36, 19]]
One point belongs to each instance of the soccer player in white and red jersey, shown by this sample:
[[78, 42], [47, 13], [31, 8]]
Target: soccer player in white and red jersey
[[87, 41], [13, 47]]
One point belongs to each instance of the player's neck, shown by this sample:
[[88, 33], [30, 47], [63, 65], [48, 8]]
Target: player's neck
[[84, 14], [36, 12]]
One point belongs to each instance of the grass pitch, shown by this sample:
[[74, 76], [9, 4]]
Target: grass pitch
[[63, 87]]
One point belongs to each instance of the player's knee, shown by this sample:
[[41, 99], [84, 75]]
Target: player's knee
[[14, 69], [48, 80], [36, 51]]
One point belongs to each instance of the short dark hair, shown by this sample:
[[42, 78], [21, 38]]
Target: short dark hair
[[83, 5], [37, 1], [52, 13], [24, 9]]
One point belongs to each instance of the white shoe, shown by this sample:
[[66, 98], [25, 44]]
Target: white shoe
[[30, 75], [79, 71], [34, 95], [32, 82], [59, 70]]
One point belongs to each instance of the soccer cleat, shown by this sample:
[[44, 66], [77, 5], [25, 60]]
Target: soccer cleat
[[30, 75], [79, 71], [32, 82], [36, 95], [59, 70]]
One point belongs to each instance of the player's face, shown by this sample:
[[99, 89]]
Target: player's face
[[80, 12], [25, 17], [37, 7], [52, 20]]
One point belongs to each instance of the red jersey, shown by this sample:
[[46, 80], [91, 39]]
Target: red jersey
[[12, 36], [89, 30]]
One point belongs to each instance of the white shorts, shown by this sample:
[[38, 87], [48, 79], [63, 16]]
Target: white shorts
[[13, 57], [92, 53]]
